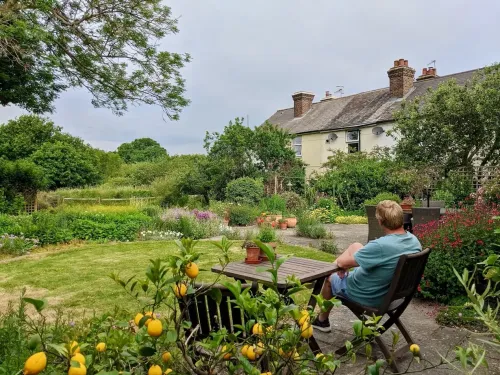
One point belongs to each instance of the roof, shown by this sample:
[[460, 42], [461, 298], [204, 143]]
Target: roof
[[366, 108]]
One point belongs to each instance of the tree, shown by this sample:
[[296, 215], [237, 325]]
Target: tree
[[21, 137], [66, 166], [108, 47], [140, 150], [272, 147], [453, 125]]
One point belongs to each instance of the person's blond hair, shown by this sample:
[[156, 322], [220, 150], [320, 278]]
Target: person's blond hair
[[389, 214]]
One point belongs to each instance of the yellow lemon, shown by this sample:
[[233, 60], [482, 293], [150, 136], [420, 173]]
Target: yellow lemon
[[152, 315], [257, 329], [415, 349], [305, 317], [35, 364], [266, 373], [306, 330], [78, 357], [155, 370], [165, 357], [251, 355], [138, 318], [192, 270], [168, 371], [101, 347], [155, 328], [74, 348], [319, 356], [180, 290], [296, 356], [82, 370], [226, 352], [244, 350], [259, 349]]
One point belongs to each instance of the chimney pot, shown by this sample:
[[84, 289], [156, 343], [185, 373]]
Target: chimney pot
[[302, 102], [401, 78], [327, 94], [424, 71]]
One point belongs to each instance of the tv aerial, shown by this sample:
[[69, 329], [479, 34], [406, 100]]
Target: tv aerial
[[340, 90]]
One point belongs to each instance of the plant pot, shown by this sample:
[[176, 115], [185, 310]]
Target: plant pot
[[253, 255], [283, 226], [278, 217], [406, 207], [260, 221], [263, 255], [273, 224], [292, 222]]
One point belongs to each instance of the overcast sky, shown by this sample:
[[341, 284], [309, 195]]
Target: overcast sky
[[249, 56]]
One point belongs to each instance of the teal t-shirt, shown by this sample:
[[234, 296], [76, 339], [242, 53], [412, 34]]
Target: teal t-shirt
[[377, 260]]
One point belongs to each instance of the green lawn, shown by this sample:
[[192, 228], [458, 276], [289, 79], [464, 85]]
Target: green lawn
[[77, 279]]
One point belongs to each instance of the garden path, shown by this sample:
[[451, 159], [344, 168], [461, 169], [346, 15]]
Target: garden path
[[419, 319]]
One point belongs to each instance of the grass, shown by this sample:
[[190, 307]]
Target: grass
[[77, 277]]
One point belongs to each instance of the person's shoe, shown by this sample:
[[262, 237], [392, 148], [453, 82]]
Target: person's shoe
[[321, 326]]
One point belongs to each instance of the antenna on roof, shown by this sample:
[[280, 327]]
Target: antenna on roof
[[433, 63], [340, 90]]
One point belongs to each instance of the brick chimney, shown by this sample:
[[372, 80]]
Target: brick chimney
[[401, 78], [428, 73], [302, 102]]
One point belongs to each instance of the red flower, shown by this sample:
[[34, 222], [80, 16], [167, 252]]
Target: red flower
[[419, 289], [480, 242]]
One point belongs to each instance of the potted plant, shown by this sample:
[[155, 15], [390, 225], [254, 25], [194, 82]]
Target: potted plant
[[253, 252], [267, 235], [278, 216], [283, 224], [407, 203], [291, 221]]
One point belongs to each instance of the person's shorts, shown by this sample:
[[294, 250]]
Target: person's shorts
[[339, 286]]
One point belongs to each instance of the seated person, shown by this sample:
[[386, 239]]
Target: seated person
[[374, 264]]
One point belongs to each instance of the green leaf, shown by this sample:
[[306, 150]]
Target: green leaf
[[172, 336], [216, 295], [39, 304], [147, 351]]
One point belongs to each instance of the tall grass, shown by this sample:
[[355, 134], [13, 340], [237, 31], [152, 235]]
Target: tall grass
[[106, 191]]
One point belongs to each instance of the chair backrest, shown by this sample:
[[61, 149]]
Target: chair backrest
[[374, 229], [407, 277], [423, 215], [204, 310]]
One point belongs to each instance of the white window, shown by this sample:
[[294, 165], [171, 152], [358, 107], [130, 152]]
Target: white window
[[352, 140], [297, 146]]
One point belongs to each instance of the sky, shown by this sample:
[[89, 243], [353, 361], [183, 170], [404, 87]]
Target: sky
[[250, 56]]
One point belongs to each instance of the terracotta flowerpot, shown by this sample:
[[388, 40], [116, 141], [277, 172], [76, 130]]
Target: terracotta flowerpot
[[283, 226], [292, 222], [273, 224], [263, 255], [406, 207], [260, 221], [253, 255]]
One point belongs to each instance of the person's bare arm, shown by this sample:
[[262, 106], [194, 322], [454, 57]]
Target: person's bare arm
[[346, 259]]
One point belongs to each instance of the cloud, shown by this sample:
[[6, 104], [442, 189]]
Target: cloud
[[250, 56]]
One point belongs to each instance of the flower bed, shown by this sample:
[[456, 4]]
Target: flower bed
[[460, 240]]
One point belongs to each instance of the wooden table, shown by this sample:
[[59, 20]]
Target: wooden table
[[306, 270]]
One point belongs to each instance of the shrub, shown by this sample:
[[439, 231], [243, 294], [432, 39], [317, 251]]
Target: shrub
[[293, 202], [310, 227], [458, 240], [266, 234], [16, 245], [458, 184], [443, 195], [322, 215], [351, 220], [245, 190], [242, 215], [273, 204], [329, 246], [193, 224], [382, 197]]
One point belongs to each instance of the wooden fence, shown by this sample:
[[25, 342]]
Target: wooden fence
[[133, 201]]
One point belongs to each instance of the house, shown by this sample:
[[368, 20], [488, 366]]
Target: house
[[356, 122]]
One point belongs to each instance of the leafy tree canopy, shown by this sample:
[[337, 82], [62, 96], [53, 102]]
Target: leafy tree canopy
[[453, 125], [141, 150], [109, 47], [66, 166]]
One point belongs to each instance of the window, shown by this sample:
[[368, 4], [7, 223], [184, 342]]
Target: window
[[352, 140], [297, 146]]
